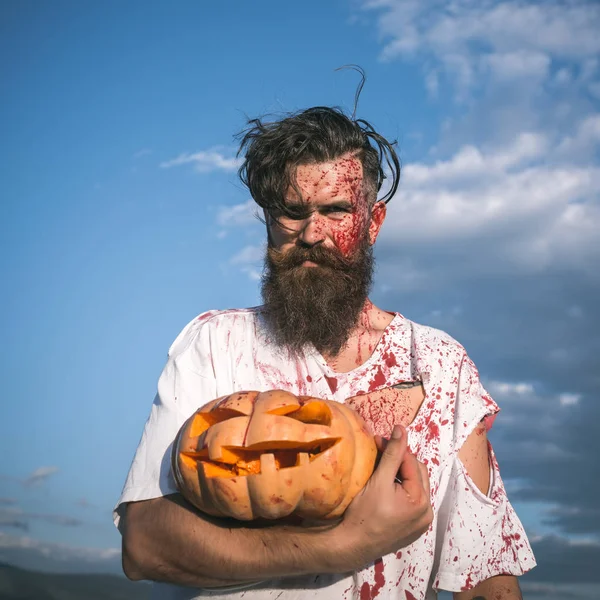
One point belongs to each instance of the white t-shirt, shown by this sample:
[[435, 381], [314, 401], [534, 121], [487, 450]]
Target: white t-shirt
[[473, 536]]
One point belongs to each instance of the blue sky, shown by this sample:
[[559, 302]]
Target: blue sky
[[121, 218]]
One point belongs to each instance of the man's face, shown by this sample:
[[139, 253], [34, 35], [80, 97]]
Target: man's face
[[332, 209], [319, 262]]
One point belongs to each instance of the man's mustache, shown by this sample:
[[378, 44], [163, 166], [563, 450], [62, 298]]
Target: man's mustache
[[320, 255]]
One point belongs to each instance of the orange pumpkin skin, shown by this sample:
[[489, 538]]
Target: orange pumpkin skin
[[268, 455]]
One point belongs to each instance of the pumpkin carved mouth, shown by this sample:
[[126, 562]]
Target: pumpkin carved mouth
[[265, 456]]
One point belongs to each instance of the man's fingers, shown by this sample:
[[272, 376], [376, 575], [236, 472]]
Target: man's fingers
[[380, 442], [414, 476], [393, 454], [424, 477]]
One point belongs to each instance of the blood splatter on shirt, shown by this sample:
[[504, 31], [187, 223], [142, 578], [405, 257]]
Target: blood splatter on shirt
[[473, 536]]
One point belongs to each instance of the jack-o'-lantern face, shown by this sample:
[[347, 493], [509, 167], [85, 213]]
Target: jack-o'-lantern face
[[272, 454]]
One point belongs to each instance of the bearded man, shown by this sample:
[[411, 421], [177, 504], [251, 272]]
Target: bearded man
[[434, 518]]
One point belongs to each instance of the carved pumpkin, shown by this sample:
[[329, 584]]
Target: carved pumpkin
[[268, 455]]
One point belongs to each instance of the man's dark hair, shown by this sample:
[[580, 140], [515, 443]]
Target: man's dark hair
[[273, 151]]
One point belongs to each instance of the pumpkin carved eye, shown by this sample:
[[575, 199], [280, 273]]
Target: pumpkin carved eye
[[272, 454]]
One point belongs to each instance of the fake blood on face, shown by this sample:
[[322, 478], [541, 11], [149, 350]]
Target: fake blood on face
[[339, 184]]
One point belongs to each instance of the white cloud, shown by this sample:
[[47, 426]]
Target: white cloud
[[567, 30], [248, 255], [205, 161], [525, 395], [39, 475], [238, 215], [507, 40], [523, 205], [583, 140], [469, 161], [519, 64], [253, 273], [249, 261], [569, 399], [504, 388]]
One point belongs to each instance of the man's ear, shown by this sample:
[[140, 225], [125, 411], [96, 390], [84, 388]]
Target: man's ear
[[378, 213]]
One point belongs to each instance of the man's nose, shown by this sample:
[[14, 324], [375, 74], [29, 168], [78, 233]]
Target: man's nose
[[312, 231]]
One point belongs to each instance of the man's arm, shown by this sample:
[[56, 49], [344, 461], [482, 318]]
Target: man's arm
[[166, 540], [474, 455]]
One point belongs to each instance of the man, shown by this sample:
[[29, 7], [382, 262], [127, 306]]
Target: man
[[440, 522]]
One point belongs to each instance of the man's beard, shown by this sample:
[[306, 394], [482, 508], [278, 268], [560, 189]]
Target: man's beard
[[315, 305]]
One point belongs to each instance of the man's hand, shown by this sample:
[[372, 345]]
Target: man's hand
[[393, 509]]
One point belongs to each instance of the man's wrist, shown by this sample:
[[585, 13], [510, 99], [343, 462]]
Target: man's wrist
[[297, 551], [338, 550]]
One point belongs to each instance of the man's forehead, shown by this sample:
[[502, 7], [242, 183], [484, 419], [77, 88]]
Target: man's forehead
[[340, 178], [346, 165]]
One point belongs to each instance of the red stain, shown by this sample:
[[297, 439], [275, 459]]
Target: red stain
[[378, 379], [390, 359], [333, 383], [365, 591], [379, 578], [368, 592], [468, 583], [309, 378], [433, 432], [409, 596]]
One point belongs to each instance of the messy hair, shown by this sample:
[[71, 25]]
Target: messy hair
[[273, 151]]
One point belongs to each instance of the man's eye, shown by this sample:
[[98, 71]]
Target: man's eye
[[336, 210], [296, 214], [289, 213]]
